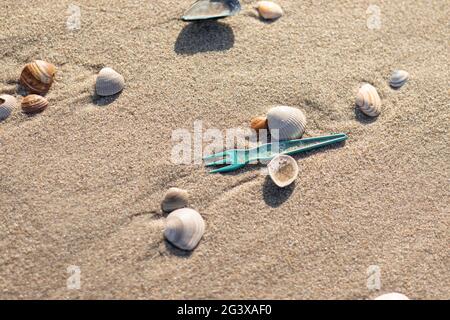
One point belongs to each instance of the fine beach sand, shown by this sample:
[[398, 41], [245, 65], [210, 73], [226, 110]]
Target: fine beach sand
[[81, 183]]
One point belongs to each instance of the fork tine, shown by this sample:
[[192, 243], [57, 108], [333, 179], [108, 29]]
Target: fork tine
[[229, 168], [215, 155], [217, 163]]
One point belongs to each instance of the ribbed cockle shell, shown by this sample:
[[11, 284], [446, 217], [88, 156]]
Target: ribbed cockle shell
[[37, 76], [7, 104], [184, 228], [34, 103], [286, 123], [109, 82], [368, 100]]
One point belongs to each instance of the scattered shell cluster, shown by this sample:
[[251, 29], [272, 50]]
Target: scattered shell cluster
[[184, 227]]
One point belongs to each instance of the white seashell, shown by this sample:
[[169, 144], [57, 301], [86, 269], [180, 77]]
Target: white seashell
[[184, 228], [392, 296], [398, 78], [7, 104], [368, 100], [175, 198], [212, 9], [283, 170], [286, 123], [269, 10], [109, 82]]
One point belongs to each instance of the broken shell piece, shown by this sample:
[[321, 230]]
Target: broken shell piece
[[269, 10], [283, 170], [38, 76], [258, 123], [175, 198], [184, 228], [109, 82], [7, 104], [212, 9], [34, 103], [398, 78], [286, 123], [368, 100], [392, 296]]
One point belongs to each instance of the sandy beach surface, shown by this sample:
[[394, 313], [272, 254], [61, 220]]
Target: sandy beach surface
[[81, 183]]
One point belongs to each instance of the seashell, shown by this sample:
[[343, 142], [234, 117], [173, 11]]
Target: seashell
[[109, 82], [392, 296], [398, 78], [212, 9], [184, 228], [269, 10], [368, 100], [37, 76], [34, 103], [175, 198], [283, 170], [7, 104], [258, 123], [286, 123]]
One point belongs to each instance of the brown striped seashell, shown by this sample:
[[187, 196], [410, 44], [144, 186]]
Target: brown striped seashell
[[37, 76], [109, 82], [368, 100], [34, 103], [174, 199], [259, 123], [7, 104], [184, 228], [269, 10], [286, 123]]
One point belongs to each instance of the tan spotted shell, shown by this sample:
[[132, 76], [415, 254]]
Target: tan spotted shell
[[37, 76], [184, 228], [283, 170], [269, 10], [7, 104], [368, 100]]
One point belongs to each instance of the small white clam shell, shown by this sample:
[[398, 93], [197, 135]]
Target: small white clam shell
[[368, 100], [392, 296], [7, 104], [286, 123], [398, 78], [184, 228], [175, 198], [283, 170], [269, 10], [109, 82]]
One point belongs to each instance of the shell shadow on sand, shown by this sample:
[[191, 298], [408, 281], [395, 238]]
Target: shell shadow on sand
[[362, 118], [275, 196], [204, 36], [172, 250], [104, 101]]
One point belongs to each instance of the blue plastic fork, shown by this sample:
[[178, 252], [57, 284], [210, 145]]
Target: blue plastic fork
[[238, 158]]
